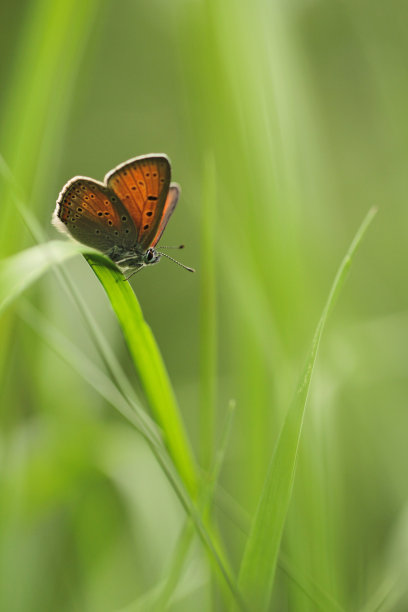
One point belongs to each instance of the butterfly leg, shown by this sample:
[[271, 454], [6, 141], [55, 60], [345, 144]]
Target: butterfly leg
[[132, 273]]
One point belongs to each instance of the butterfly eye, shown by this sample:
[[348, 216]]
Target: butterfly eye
[[149, 255]]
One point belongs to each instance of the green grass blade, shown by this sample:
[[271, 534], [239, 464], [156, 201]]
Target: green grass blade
[[241, 520], [386, 596], [161, 600], [52, 40], [91, 373], [219, 458], [19, 271], [157, 387], [259, 561], [208, 326], [322, 600], [150, 367], [186, 537]]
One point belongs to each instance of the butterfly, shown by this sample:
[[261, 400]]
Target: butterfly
[[126, 215]]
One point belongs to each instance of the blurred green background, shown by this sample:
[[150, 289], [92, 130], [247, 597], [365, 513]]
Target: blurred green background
[[285, 122]]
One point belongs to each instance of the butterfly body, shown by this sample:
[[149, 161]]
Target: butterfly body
[[125, 215], [133, 258]]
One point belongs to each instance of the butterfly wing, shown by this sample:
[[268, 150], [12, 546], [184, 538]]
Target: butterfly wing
[[169, 206], [142, 184], [92, 214]]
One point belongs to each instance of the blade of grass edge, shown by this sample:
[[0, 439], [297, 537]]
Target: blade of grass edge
[[19, 271], [258, 566], [386, 597]]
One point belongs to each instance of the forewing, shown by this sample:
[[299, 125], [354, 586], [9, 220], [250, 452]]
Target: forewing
[[169, 206], [142, 184], [92, 214]]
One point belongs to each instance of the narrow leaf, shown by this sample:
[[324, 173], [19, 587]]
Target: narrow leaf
[[19, 271], [149, 365], [258, 565]]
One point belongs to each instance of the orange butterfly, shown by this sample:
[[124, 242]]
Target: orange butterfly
[[125, 216]]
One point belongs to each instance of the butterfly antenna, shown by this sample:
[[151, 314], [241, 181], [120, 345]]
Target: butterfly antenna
[[181, 246], [177, 262]]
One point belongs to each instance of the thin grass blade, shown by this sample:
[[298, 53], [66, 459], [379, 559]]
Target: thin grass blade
[[258, 565], [19, 271], [208, 314]]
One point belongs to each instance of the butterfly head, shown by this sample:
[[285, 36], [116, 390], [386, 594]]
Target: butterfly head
[[151, 256]]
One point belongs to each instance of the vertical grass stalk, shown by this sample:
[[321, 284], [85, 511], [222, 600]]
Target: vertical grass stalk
[[208, 326], [257, 572]]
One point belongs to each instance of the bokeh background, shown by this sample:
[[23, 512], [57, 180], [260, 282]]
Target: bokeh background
[[285, 122]]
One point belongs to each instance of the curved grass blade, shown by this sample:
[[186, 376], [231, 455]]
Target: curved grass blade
[[158, 390], [149, 365], [259, 561]]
